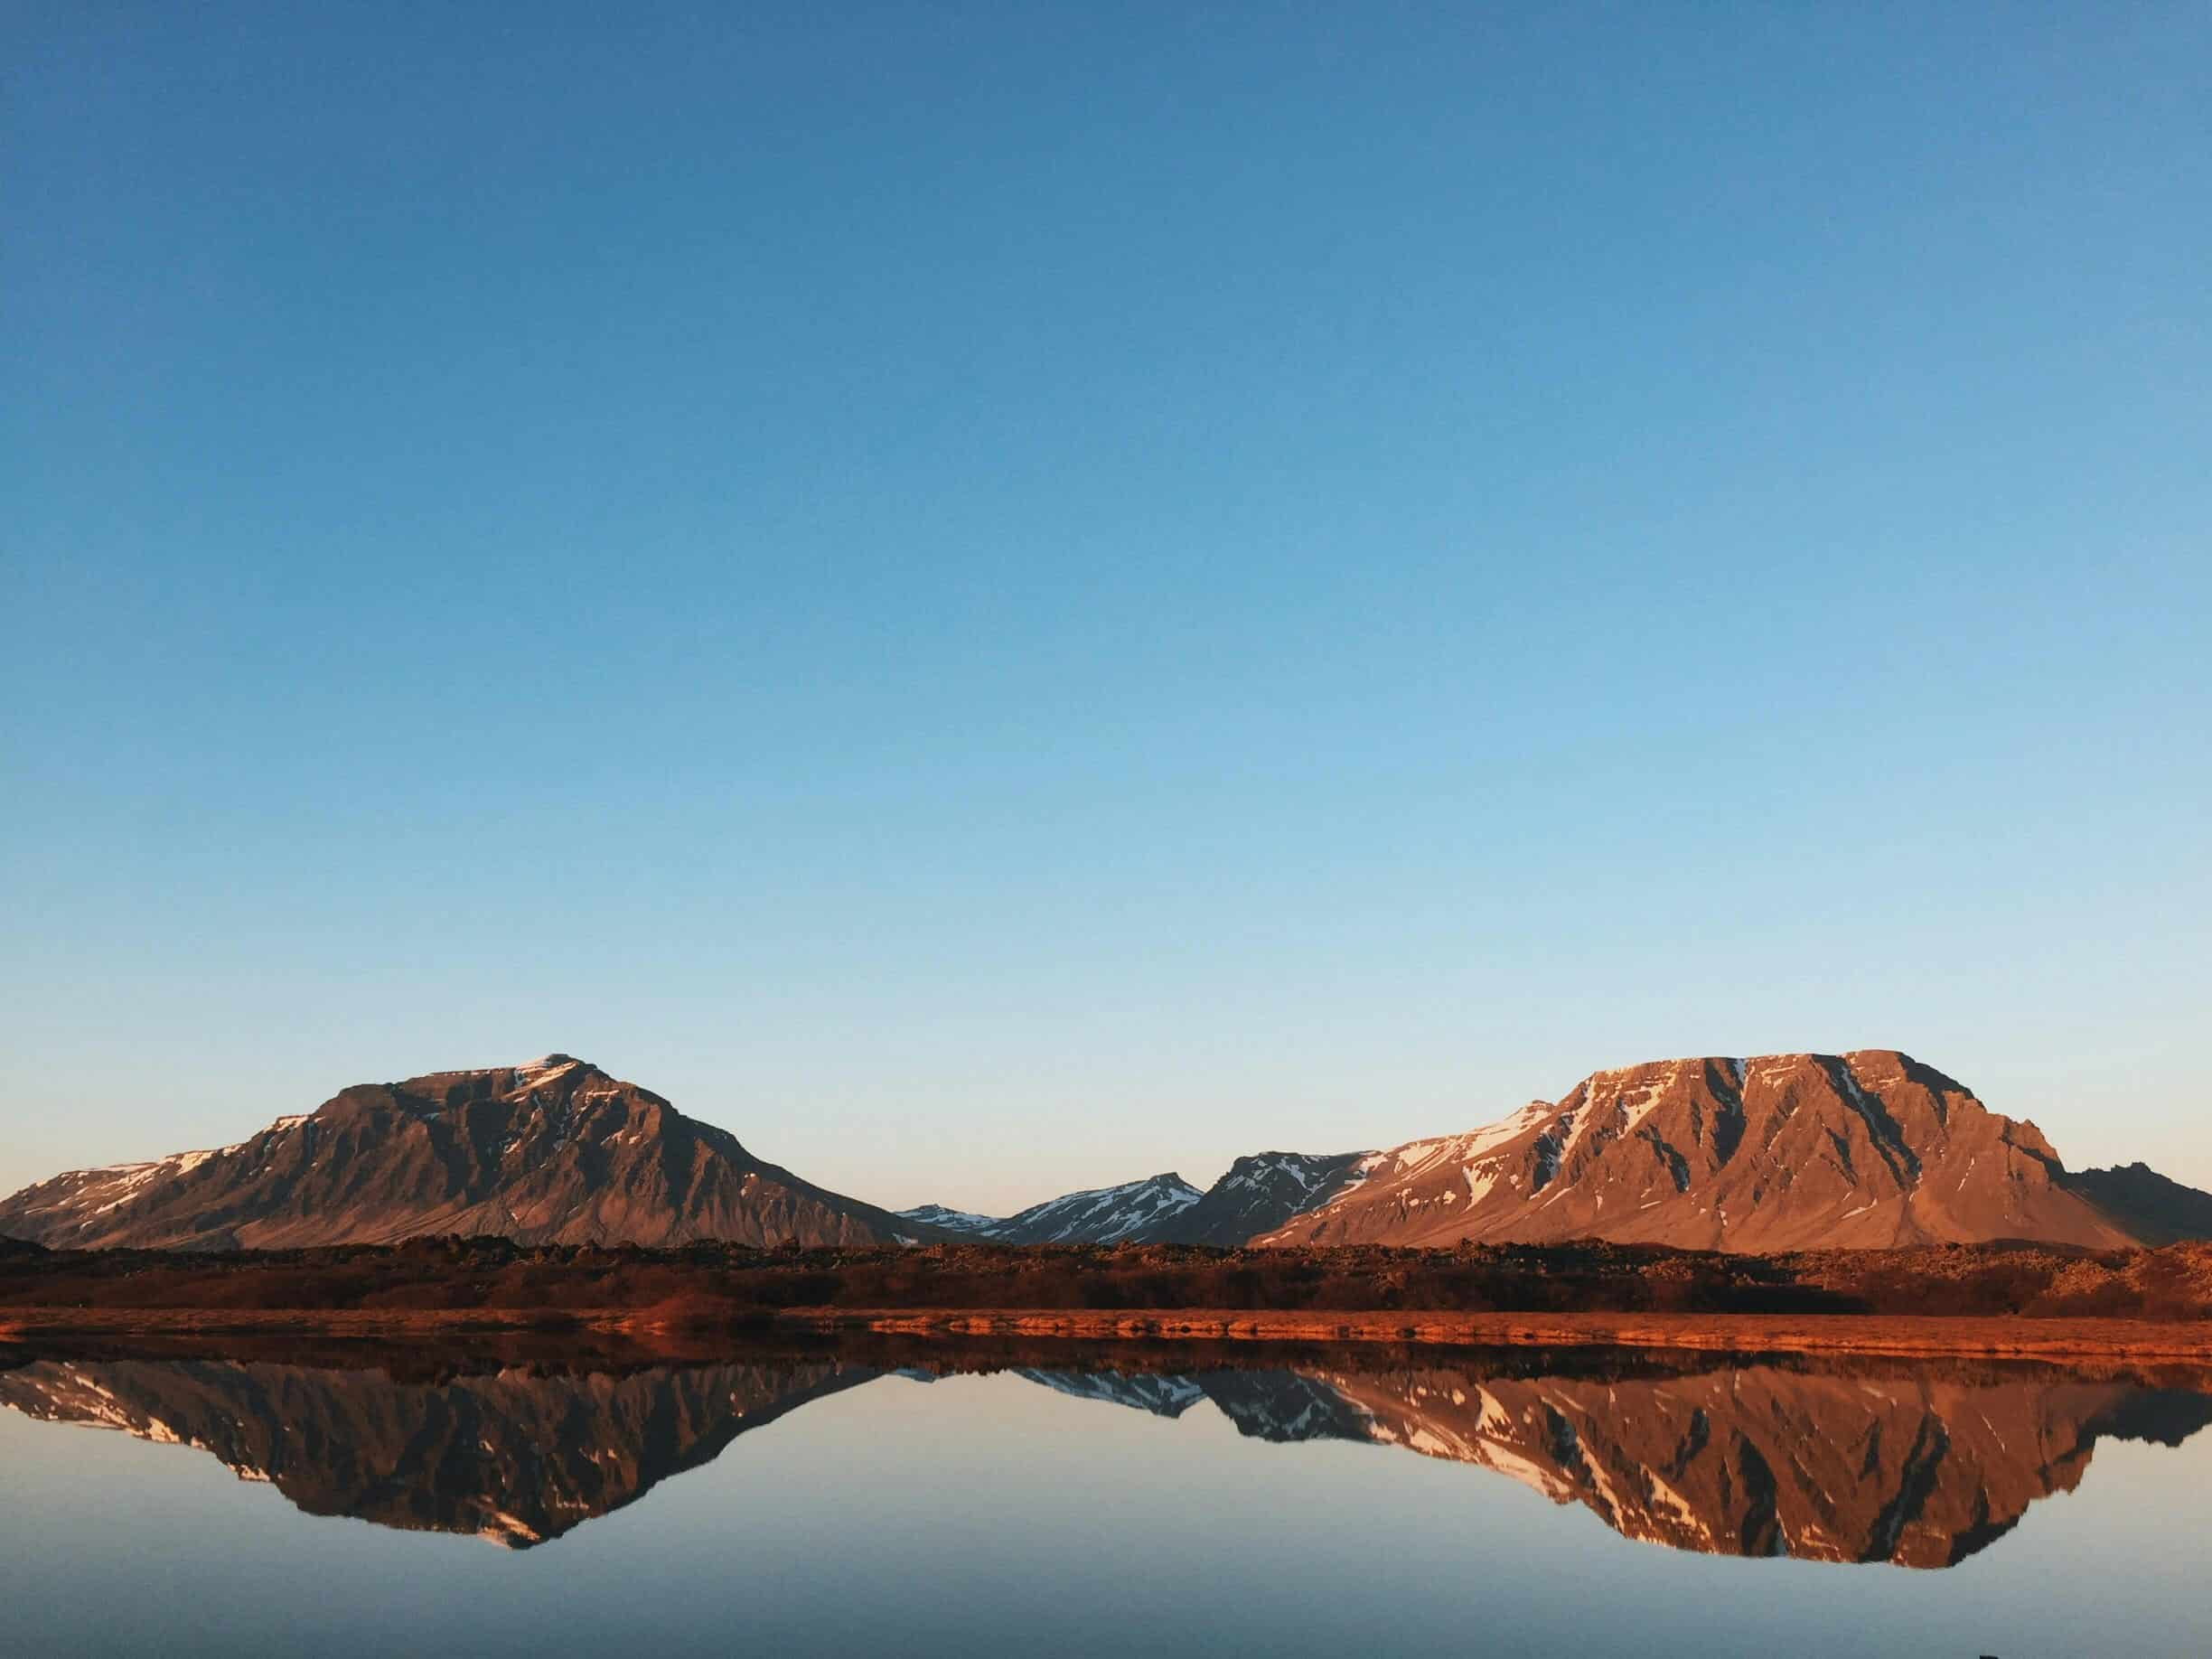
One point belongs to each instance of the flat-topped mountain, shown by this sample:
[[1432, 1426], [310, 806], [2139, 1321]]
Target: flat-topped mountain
[[551, 1152], [1777, 1152]]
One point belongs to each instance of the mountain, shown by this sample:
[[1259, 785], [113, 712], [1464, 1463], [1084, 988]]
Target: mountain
[[2156, 1210], [1778, 1152], [1259, 1192], [553, 1152], [965, 1223], [1133, 1213]]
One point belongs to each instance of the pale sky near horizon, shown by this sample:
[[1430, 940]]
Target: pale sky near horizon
[[1002, 598]]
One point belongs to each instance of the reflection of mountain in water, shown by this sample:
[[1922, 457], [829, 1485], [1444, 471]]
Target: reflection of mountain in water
[[1265, 1404], [514, 1456], [1162, 1394], [1762, 1461], [1921, 1467]]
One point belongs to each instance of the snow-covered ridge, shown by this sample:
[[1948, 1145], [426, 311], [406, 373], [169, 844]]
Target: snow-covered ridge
[[1618, 1098], [951, 1220], [1264, 1170], [1258, 1192], [91, 1194], [1102, 1215], [1163, 1394], [1467, 1159]]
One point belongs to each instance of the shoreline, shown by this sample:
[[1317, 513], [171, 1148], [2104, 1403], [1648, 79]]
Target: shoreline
[[1897, 1336], [1892, 1334]]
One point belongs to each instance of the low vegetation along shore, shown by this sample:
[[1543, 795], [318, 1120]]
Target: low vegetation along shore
[[1995, 1298]]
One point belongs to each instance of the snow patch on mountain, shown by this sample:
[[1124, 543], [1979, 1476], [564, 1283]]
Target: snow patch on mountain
[[1133, 1210], [951, 1220]]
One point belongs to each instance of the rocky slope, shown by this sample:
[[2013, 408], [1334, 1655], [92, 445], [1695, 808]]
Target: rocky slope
[[1779, 1152], [555, 1151]]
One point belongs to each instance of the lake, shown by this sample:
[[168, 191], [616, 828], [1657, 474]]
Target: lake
[[1078, 1500]]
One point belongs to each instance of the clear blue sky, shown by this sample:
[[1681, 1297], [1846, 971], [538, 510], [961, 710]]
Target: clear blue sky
[[1002, 597]]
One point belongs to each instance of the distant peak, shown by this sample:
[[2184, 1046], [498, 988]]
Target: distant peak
[[551, 1063]]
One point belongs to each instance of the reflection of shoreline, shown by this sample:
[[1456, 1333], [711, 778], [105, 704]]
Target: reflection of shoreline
[[1907, 1335], [1874, 1333], [1862, 1460], [621, 1354]]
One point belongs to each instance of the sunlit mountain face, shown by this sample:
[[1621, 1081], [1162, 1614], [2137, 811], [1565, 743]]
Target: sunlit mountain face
[[1916, 1466]]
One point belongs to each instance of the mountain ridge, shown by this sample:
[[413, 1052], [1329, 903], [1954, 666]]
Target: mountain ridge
[[1131, 1212], [1257, 1192]]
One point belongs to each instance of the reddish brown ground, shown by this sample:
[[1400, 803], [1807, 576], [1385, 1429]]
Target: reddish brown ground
[[1973, 1300]]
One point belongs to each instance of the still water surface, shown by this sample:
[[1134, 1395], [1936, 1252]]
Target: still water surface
[[1335, 1503]]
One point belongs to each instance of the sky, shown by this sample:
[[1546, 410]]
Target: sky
[[1000, 599]]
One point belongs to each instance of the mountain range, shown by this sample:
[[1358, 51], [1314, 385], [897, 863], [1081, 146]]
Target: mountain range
[[1870, 1149], [1771, 1153]]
